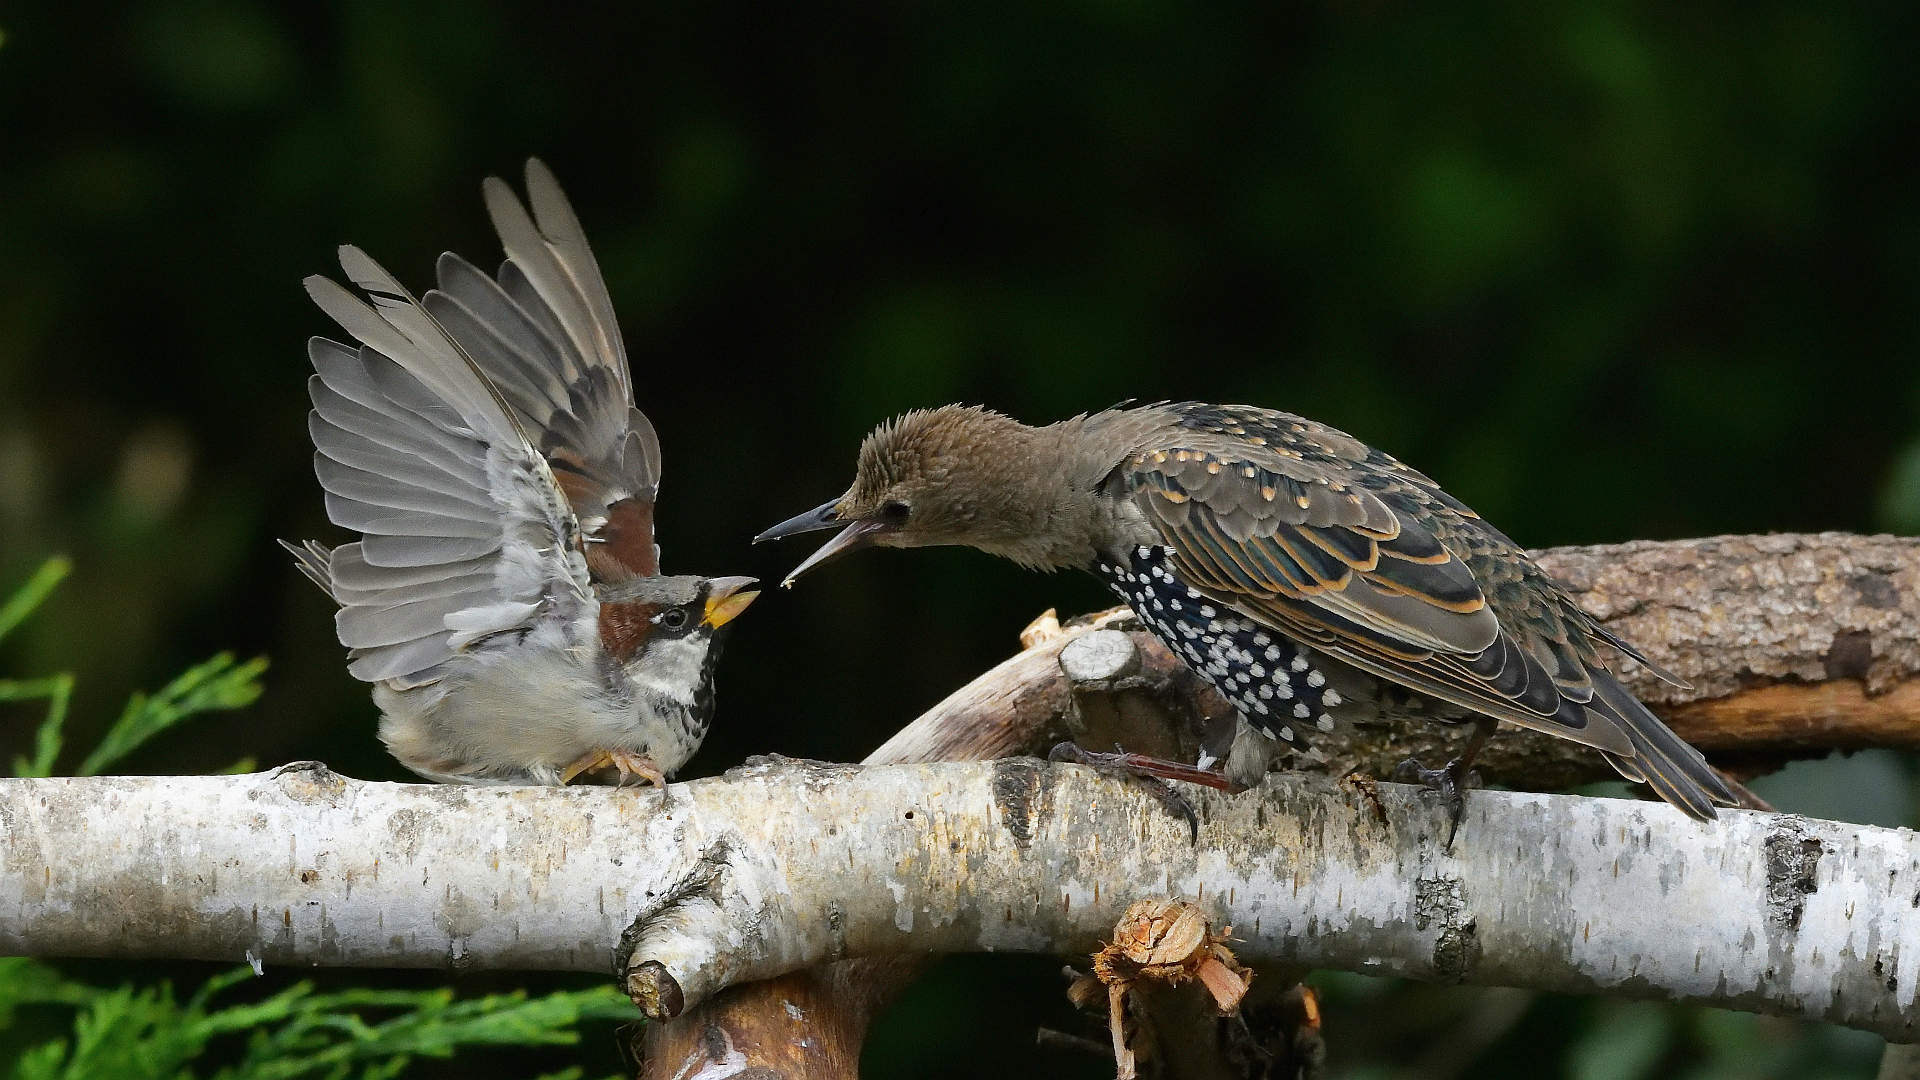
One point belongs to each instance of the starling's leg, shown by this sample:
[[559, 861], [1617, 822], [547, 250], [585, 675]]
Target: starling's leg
[[1148, 772], [1145, 766], [1452, 779]]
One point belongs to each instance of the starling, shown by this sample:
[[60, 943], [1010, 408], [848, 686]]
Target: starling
[[1276, 556], [505, 598]]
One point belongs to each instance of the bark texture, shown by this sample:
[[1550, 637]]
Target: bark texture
[[777, 868]]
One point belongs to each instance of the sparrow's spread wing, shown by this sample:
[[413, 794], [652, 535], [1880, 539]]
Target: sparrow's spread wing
[[544, 332], [466, 532], [1335, 544]]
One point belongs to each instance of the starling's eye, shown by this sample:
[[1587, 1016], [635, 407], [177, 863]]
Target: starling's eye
[[673, 618], [894, 512]]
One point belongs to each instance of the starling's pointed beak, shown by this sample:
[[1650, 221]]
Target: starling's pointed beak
[[820, 517], [852, 538], [725, 600]]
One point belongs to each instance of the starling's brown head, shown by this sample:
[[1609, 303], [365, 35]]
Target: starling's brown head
[[953, 475]]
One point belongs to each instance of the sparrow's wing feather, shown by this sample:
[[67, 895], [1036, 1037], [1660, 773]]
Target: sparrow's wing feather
[[544, 333], [466, 533]]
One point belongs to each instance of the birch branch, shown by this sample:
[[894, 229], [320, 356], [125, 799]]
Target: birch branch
[[777, 868], [812, 1024]]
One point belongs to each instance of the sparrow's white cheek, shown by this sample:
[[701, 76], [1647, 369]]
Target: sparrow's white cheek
[[670, 667]]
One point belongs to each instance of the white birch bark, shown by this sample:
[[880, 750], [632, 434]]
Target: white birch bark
[[779, 867]]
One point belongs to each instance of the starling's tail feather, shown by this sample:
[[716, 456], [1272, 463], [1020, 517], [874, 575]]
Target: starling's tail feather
[[1663, 761]]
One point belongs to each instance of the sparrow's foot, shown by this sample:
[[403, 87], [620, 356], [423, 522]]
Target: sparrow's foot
[[1451, 780], [628, 763], [1151, 773]]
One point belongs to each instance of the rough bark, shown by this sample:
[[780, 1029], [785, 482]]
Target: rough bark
[[776, 868]]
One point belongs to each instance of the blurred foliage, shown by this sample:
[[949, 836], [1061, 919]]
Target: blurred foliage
[[138, 1033], [1606, 269], [135, 1032]]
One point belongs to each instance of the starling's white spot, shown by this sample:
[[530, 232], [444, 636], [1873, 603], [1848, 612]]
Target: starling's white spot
[[1330, 698], [1105, 569], [1325, 723], [1262, 638], [1273, 653], [1316, 680], [1207, 612], [1259, 671], [1158, 606], [1301, 710], [1144, 552], [1299, 663], [1266, 691], [1175, 604], [1286, 733], [1260, 707], [1284, 689], [1268, 732]]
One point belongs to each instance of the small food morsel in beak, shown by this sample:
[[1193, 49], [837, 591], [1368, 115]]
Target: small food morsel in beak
[[726, 600], [859, 534]]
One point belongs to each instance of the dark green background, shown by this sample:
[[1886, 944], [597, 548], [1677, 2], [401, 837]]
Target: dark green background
[[1605, 270]]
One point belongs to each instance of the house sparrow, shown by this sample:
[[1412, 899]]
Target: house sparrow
[[505, 598]]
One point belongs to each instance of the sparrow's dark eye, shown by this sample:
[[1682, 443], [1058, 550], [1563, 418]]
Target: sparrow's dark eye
[[673, 618], [894, 512]]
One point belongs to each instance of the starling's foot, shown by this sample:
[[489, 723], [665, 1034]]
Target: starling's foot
[[629, 764], [1151, 773], [1451, 780]]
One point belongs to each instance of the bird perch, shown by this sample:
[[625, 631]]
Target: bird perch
[[782, 866]]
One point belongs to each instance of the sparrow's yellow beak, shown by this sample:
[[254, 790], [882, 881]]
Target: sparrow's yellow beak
[[726, 600]]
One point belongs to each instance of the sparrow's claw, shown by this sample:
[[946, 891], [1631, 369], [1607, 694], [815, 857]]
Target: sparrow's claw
[[627, 762]]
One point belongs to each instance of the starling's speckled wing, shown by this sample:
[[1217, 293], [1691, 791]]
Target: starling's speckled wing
[[544, 333], [465, 531], [1337, 545]]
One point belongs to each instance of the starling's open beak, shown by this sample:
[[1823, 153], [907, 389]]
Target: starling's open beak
[[820, 517], [852, 538], [725, 600]]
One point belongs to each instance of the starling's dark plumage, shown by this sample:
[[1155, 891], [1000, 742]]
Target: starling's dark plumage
[[505, 598], [1269, 552]]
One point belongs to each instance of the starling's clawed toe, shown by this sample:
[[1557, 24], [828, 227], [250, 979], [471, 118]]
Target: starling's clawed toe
[[1151, 773], [1451, 781]]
